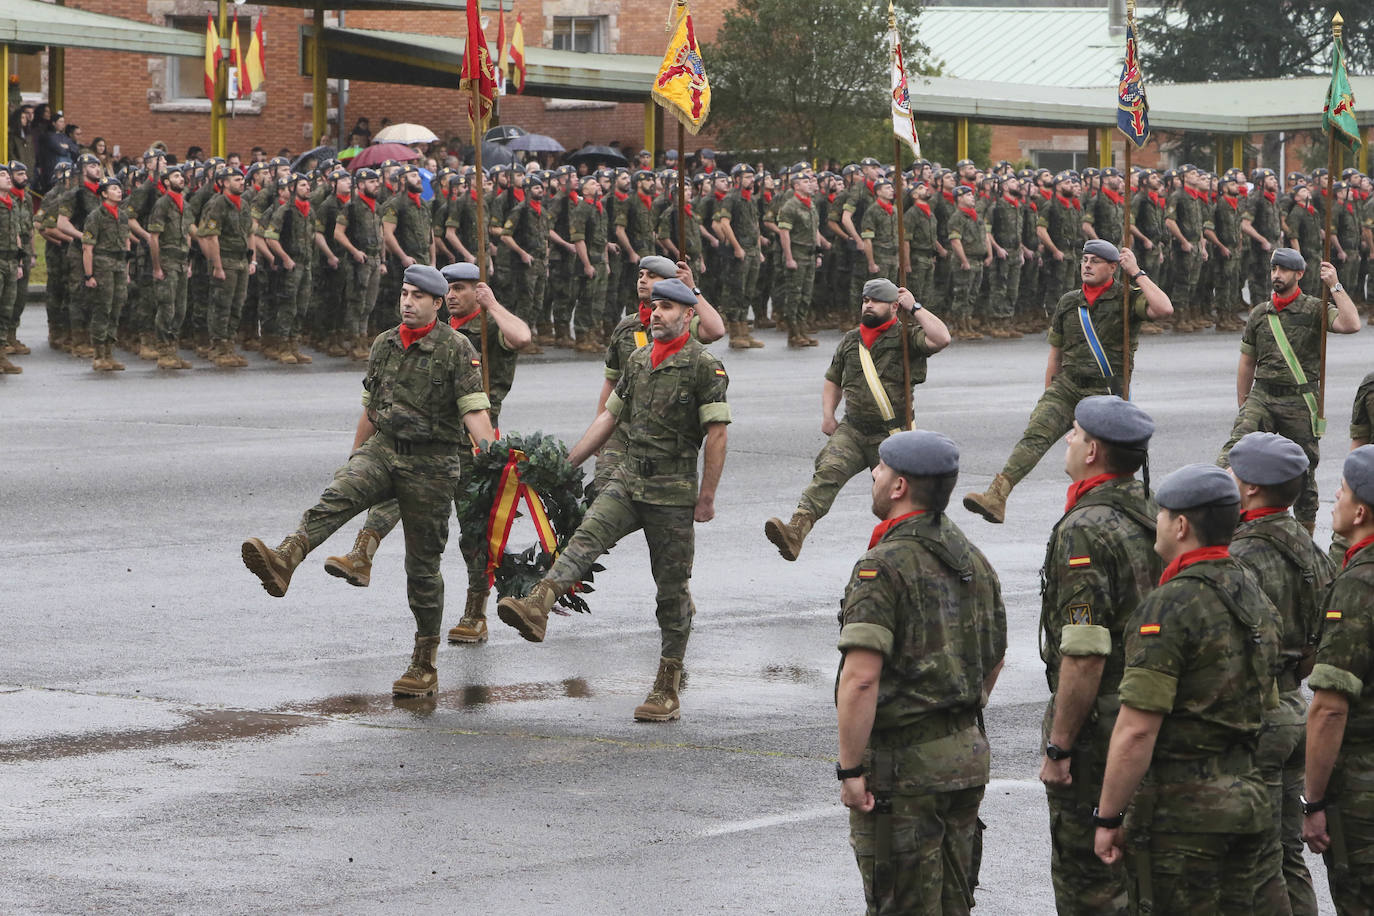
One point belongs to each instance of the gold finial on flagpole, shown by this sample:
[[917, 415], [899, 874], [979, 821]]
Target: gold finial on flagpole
[[1130, 11], [1336, 23], [891, 15]]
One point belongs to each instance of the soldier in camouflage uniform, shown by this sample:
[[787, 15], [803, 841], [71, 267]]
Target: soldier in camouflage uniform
[[224, 231], [1345, 248], [1105, 218], [13, 262], [1305, 236], [24, 205], [1183, 221], [55, 244], [1272, 398], [1005, 225], [1201, 652], [970, 244], [422, 401], [1338, 799], [198, 284], [357, 230], [1147, 225], [142, 299], [1073, 371], [526, 235], [878, 234], [506, 334], [564, 267], [407, 238], [1259, 222], [913, 758], [798, 236], [291, 235], [587, 230], [944, 265], [1270, 471], [857, 201], [634, 232], [1222, 228], [169, 244], [331, 271], [671, 403], [72, 211], [1099, 564], [737, 225], [1362, 413], [105, 265], [853, 442], [1059, 226], [923, 243]]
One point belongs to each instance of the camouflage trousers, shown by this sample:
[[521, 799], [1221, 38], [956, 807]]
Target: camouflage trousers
[[528, 283], [1352, 881], [1281, 761], [1187, 268], [940, 286], [611, 309], [1049, 421], [109, 296], [589, 296], [1083, 885], [226, 300], [362, 294], [1257, 276], [1006, 285], [1056, 278], [142, 310], [624, 295], [292, 300], [795, 287], [737, 286], [932, 868], [328, 303], [170, 296], [1289, 417], [1227, 874], [55, 257], [1226, 278], [1310, 282], [198, 295], [922, 274], [966, 288], [78, 294], [669, 532], [888, 262], [423, 489], [847, 452], [9, 291], [1348, 271]]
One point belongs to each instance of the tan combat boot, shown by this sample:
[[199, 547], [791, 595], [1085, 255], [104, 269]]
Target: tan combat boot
[[166, 359], [7, 367], [275, 566], [204, 347], [15, 346], [147, 347], [270, 345], [421, 678], [302, 359], [82, 345], [334, 346], [661, 705], [739, 335], [360, 350], [115, 364], [763, 323], [788, 536], [529, 615], [220, 355], [754, 342], [992, 504], [284, 354], [355, 567], [473, 626]]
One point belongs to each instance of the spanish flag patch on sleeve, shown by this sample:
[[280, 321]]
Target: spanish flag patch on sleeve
[[1082, 562], [1149, 629], [475, 361], [1333, 615], [720, 372], [868, 574]]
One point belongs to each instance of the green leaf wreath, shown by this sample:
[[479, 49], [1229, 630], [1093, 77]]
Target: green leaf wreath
[[547, 471]]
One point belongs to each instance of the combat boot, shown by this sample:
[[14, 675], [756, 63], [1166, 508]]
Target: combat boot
[[562, 339], [355, 567], [360, 350], [166, 359], [992, 504], [285, 356], [754, 342], [529, 615], [335, 346], [807, 329], [220, 355], [16, 347], [111, 364], [57, 340], [294, 345], [473, 627], [971, 332], [661, 705], [274, 566], [788, 536], [249, 340], [84, 347], [531, 349], [739, 335], [9, 368], [589, 342], [422, 677], [203, 345], [270, 346], [240, 361], [147, 348]]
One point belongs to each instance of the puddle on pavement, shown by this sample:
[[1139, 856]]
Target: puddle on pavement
[[794, 673], [232, 725]]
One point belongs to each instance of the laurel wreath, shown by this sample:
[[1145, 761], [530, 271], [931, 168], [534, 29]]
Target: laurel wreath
[[546, 471]]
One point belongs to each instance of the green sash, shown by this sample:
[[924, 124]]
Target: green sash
[[1294, 367]]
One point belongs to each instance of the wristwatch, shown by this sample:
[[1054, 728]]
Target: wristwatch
[[1055, 752], [1338, 288], [1111, 823], [1138, 275], [1311, 807], [842, 774]]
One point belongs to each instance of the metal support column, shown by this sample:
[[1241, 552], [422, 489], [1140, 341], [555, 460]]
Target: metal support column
[[319, 85], [961, 139], [1104, 147], [649, 108]]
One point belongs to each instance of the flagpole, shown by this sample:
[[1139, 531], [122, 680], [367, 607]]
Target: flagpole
[[903, 266], [482, 237], [1126, 240], [1329, 209], [681, 192]]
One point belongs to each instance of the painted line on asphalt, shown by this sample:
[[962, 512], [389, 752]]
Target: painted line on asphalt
[[772, 820]]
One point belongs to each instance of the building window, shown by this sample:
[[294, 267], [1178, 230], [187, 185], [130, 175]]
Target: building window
[[1062, 160], [186, 75], [579, 33]]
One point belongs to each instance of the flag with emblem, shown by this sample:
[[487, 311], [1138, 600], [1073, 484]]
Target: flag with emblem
[[1338, 117], [681, 85], [903, 127], [1132, 110], [236, 90], [478, 75]]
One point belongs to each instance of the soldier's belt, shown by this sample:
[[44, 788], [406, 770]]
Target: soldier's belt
[[412, 447], [653, 467], [1279, 390], [1237, 761], [1090, 380], [1288, 681], [939, 723]]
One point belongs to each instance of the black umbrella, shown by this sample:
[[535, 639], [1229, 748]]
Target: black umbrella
[[597, 155], [503, 132], [535, 143], [495, 154], [319, 154]]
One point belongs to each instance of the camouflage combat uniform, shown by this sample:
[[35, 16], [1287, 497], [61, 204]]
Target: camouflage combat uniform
[[77, 205], [1062, 219], [1099, 565], [1305, 225], [413, 230], [1362, 413], [528, 225], [1224, 221], [1005, 288], [971, 231], [879, 228], [797, 285], [587, 224], [1201, 651], [171, 223], [230, 222], [1263, 216], [919, 224], [363, 229], [929, 602], [741, 274], [55, 257], [13, 259], [1185, 209], [294, 229], [108, 236]]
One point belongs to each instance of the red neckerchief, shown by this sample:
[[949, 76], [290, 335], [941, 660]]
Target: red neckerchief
[[537, 206], [235, 199], [1187, 559], [870, 335], [883, 528], [1349, 208], [923, 207], [7, 201], [389, 186], [1046, 193], [1113, 196], [473, 194], [870, 185], [415, 197], [748, 194], [1158, 199], [949, 195], [1309, 208], [1195, 195], [572, 196], [720, 195], [709, 167], [1035, 208], [1281, 304], [1350, 554], [17, 194], [805, 201], [768, 197], [621, 195], [970, 212], [662, 351], [409, 336], [112, 210], [1271, 196], [599, 208], [518, 194], [177, 198], [887, 207], [457, 323], [1233, 201], [1011, 200], [1073, 203], [343, 201], [1249, 515], [304, 207], [1091, 293], [93, 188], [645, 313], [1078, 489], [1324, 194], [645, 199], [687, 208], [370, 201]]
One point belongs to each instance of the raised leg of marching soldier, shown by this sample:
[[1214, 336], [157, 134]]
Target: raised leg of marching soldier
[[362, 294], [59, 321], [226, 311], [847, 452], [107, 301], [1289, 417], [293, 299], [169, 294]]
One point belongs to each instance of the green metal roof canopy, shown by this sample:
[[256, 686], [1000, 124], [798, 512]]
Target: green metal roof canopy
[[31, 22]]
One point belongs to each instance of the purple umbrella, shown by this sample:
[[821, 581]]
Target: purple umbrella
[[381, 152]]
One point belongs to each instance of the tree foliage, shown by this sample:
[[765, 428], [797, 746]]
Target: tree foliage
[[804, 75]]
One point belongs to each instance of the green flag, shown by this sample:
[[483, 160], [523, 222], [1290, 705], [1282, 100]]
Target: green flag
[[1339, 113]]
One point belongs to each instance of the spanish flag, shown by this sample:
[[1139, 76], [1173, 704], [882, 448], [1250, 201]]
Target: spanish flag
[[517, 53], [212, 55], [254, 74], [681, 85], [236, 56], [501, 52]]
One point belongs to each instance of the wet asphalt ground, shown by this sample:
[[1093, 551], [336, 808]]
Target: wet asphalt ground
[[174, 740]]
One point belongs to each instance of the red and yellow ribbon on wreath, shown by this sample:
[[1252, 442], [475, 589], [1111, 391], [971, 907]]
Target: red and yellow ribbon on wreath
[[504, 509]]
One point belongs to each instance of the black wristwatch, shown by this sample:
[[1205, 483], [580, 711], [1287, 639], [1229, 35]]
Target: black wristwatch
[[1111, 823], [1311, 807], [1138, 275], [853, 772], [90, 276], [1055, 752], [696, 290]]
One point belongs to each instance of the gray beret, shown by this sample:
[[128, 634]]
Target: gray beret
[[1288, 259], [673, 290], [1266, 459], [1358, 472], [1101, 248], [461, 271], [1108, 417], [426, 279], [1195, 485], [880, 290], [920, 453], [657, 264]]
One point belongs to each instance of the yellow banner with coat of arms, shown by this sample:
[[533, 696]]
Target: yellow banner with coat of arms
[[681, 85]]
